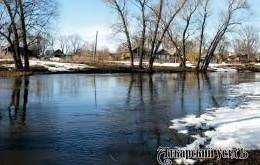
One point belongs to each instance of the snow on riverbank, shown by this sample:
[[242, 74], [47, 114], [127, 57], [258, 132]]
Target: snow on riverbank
[[227, 128], [53, 66], [2, 60], [146, 64], [58, 66], [221, 68], [216, 67]]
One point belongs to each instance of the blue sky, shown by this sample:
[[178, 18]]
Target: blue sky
[[85, 17]]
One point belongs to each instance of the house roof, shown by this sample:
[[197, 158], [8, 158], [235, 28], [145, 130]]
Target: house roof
[[163, 52]]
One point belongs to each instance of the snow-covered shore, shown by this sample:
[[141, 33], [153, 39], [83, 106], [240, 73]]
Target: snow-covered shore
[[226, 128], [58, 66], [53, 66], [216, 67]]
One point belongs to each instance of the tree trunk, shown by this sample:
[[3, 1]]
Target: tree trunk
[[16, 46], [126, 31], [151, 61], [201, 40], [24, 36], [203, 26], [142, 54], [155, 35]]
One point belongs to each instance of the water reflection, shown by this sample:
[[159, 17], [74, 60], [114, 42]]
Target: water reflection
[[118, 118], [181, 90], [19, 96]]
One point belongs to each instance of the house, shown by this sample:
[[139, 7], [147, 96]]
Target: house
[[257, 57], [137, 52], [58, 53], [48, 53], [240, 58], [243, 58], [167, 56], [163, 55]]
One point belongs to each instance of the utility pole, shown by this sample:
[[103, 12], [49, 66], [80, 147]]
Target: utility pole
[[95, 48]]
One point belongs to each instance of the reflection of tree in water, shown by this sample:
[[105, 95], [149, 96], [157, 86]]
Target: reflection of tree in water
[[209, 85], [95, 89], [130, 88], [183, 83], [19, 95], [172, 91], [138, 83], [197, 89], [151, 132], [199, 95]]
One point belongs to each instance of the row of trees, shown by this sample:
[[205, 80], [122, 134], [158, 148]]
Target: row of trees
[[175, 23], [68, 44], [22, 19], [72, 44]]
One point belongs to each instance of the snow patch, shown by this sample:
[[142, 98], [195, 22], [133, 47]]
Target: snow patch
[[58, 66], [233, 128], [216, 67], [221, 68], [53, 66]]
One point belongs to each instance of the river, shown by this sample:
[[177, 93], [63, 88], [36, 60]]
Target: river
[[104, 118]]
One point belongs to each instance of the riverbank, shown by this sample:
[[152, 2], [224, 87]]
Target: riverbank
[[7, 67]]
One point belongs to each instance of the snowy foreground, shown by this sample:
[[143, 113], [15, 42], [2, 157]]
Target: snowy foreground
[[226, 128]]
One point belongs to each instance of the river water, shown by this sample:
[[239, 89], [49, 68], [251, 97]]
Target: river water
[[105, 118]]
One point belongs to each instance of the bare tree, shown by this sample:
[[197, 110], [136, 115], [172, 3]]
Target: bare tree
[[120, 6], [229, 20], [187, 16], [23, 17], [204, 14], [24, 35], [222, 50], [38, 16], [75, 42], [44, 42], [64, 44], [181, 44], [162, 25], [142, 6], [247, 41], [11, 8]]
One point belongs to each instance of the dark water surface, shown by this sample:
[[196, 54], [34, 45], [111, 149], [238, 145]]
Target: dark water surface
[[83, 119]]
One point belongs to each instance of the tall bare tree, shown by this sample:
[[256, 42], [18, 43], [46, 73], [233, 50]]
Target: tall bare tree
[[247, 41], [75, 42], [11, 8], [162, 24], [204, 14], [120, 6], [64, 44], [180, 42], [230, 19], [142, 6], [24, 35], [24, 17], [187, 16]]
